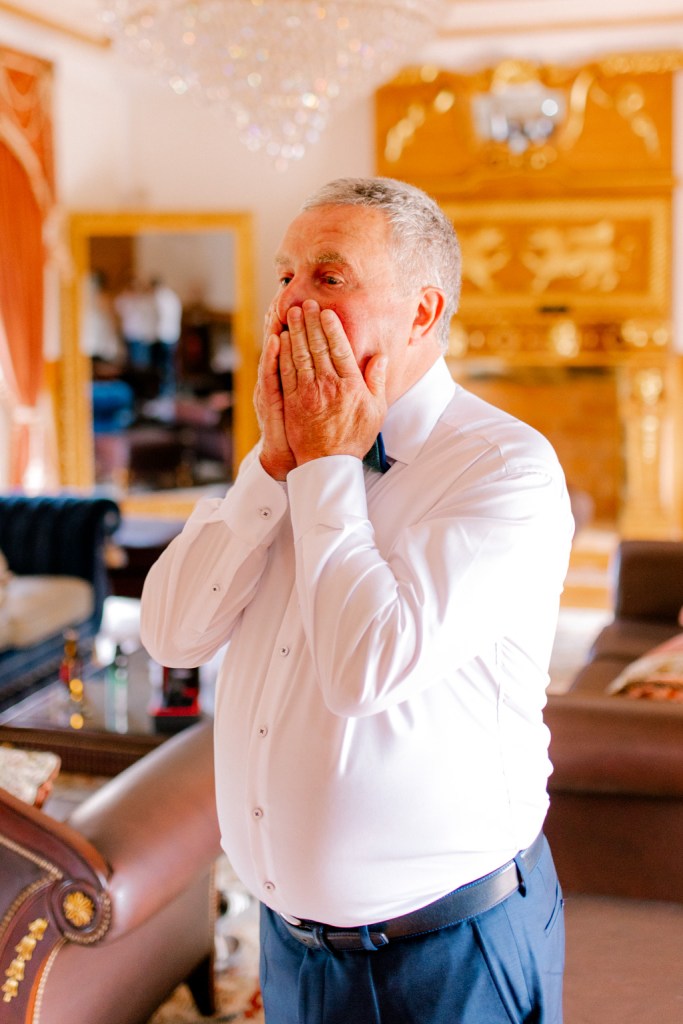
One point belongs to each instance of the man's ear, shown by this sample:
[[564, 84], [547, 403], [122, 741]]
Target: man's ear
[[429, 311]]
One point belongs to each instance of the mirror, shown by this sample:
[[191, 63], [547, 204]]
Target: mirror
[[207, 259]]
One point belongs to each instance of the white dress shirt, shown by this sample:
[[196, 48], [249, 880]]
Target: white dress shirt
[[378, 720]]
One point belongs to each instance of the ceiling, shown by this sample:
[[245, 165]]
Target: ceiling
[[472, 31]]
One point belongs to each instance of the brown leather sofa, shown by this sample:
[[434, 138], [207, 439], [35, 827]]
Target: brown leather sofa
[[615, 823], [616, 813], [648, 597], [102, 916]]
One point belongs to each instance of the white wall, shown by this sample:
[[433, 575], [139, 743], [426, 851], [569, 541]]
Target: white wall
[[198, 267], [123, 141]]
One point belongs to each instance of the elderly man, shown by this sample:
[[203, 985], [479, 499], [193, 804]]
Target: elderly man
[[389, 605]]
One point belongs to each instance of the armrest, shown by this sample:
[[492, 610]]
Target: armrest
[[604, 745], [649, 580], [43, 862], [155, 824]]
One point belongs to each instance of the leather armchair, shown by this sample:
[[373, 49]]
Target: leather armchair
[[102, 916]]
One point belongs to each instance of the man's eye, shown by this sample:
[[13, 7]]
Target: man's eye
[[285, 279], [330, 279]]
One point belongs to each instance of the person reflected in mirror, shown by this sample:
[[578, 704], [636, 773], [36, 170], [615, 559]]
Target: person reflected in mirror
[[137, 310], [169, 325]]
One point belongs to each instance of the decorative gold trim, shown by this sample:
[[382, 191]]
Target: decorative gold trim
[[533, 28], [78, 909], [102, 42], [46, 865], [40, 883], [24, 950], [44, 975]]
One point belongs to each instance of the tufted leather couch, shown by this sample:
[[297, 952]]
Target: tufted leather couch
[[101, 917], [62, 535]]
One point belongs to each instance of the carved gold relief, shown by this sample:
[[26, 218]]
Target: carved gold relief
[[430, 120], [484, 253], [558, 339], [645, 411], [24, 950], [78, 909], [606, 256]]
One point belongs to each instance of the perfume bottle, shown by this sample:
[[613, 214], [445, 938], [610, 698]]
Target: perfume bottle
[[71, 667], [71, 676], [116, 693]]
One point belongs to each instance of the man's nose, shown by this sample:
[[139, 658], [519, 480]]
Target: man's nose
[[292, 294]]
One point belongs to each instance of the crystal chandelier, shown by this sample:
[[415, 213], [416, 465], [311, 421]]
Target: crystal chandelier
[[279, 66]]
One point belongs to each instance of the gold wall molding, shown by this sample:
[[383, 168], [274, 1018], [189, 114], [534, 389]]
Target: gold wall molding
[[41, 21], [616, 132], [609, 258]]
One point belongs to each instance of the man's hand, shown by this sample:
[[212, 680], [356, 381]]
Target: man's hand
[[277, 457], [330, 408]]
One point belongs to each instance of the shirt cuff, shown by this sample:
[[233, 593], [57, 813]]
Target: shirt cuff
[[327, 492], [255, 505]]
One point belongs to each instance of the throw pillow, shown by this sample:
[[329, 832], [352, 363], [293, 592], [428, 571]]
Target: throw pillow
[[658, 675]]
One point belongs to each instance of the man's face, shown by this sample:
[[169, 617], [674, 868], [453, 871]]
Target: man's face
[[341, 257]]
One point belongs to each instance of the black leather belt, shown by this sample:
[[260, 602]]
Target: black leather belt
[[465, 902]]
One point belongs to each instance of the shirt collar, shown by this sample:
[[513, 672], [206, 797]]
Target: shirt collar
[[412, 417]]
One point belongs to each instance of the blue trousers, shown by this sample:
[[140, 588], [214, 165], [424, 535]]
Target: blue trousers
[[503, 967]]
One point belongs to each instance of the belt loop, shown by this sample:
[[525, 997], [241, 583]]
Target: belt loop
[[522, 872], [367, 940], [318, 932]]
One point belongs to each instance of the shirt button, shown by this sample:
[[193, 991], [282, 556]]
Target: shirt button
[[284, 651], [257, 812], [263, 730], [265, 513], [269, 886]]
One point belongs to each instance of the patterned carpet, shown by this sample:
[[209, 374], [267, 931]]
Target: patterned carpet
[[237, 955], [239, 1000]]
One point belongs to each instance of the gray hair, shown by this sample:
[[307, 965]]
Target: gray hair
[[425, 244]]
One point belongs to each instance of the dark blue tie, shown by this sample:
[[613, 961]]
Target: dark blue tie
[[376, 458]]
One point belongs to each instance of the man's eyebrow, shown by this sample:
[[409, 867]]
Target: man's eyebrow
[[330, 256]]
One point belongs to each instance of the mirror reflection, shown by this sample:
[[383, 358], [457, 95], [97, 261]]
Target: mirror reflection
[[158, 327]]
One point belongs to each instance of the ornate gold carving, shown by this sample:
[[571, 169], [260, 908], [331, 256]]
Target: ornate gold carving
[[605, 257], [597, 96], [484, 253], [587, 254], [558, 339], [78, 909], [565, 339], [24, 949]]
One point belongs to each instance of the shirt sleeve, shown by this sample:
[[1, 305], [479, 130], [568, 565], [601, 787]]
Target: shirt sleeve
[[388, 614], [195, 592]]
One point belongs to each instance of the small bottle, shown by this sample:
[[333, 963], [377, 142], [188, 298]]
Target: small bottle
[[70, 668], [116, 693]]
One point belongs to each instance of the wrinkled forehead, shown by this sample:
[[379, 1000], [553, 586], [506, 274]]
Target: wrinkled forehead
[[335, 234]]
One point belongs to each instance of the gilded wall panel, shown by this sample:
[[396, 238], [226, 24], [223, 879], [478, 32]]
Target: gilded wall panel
[[614, 132], [609, 257]]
